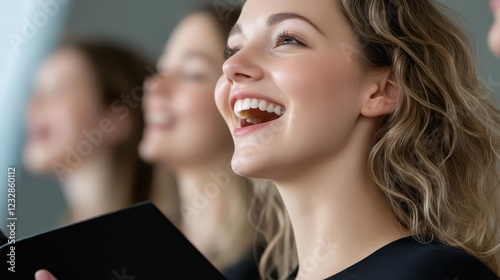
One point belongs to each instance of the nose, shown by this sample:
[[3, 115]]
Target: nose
[[36, 105], [35, 102], [243, 66]]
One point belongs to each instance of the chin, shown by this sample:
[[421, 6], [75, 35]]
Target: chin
[[148, 152], [37, 164], [253, 166], [240, 168]]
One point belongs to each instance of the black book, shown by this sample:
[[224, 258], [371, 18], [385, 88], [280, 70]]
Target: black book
[[138, 242]]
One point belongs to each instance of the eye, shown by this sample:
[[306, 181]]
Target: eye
[[285, 38], [192, 76], [228, 52]]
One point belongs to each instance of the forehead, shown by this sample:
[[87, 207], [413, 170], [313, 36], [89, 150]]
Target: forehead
[[65, 63], [320, 11], [197, 34], [258, 15]]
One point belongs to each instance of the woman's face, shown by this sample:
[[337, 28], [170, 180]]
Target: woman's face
[[494, 36], [183, 125], [296, 57], [64, 104]]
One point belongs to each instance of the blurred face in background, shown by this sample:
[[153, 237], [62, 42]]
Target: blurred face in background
[[183, 125], [64, 104], [494, 36]]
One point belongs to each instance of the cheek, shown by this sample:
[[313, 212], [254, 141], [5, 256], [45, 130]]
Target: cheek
[[200, 126], [192, 102], [222, 97], [57, 120], [319, 89], [322, 107], [68, 119], [76, 116], [198, 106], [200, 131]]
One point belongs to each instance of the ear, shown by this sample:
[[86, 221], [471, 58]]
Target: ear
[[384, 98]]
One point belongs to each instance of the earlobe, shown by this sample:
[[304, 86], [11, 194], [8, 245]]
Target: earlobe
[[379, 106], [384, 101]]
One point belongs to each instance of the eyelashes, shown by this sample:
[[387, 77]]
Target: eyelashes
[[228, 52], [283, 38]]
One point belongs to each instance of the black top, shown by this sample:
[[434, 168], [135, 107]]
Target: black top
[[244, 269], [408, 259]]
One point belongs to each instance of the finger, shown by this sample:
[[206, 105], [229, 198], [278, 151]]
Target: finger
[[44, 275]]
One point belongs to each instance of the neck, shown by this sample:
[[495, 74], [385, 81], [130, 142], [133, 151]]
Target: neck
[[95, 188], [164, 193], [214, 205], [338, 215]]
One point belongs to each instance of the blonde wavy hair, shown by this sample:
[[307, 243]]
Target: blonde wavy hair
[[436, 157]]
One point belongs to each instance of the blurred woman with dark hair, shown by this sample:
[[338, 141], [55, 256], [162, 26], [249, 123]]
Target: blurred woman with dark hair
[[85, 122]]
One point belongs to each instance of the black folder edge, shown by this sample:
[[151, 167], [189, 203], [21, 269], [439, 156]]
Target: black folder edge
[[5, 244], [4, 238]]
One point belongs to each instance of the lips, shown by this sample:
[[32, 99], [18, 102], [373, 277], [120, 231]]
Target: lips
[[38, 133], [495, 5]]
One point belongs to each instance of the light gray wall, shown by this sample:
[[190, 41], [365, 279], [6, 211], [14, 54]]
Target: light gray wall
[[145, 25], [476, 20]]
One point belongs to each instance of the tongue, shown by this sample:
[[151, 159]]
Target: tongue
[[260, 115], [255, 116], [244, 123]]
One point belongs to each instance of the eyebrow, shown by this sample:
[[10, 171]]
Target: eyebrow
[[200, 55], [278, 18]]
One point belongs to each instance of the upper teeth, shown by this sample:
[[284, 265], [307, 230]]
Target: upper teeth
[[158, 119], [242, 105]]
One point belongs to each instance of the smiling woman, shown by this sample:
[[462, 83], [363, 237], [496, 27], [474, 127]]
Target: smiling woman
[[384, 146], [81, 129], [186, 135]]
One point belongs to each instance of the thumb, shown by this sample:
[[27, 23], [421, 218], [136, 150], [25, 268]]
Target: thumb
[[44, 275]]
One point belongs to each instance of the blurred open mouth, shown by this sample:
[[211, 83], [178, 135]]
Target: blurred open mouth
[[255, 111], [494, 5], [40, 133], [159, 121]]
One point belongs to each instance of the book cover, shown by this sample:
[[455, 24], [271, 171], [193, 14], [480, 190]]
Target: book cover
[[138, 242]]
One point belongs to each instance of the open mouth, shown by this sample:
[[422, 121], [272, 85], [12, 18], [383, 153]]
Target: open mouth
[[252, 111], [162, 121], [39, 133]]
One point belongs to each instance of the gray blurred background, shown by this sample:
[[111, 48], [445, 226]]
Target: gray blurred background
[[142, 25]]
